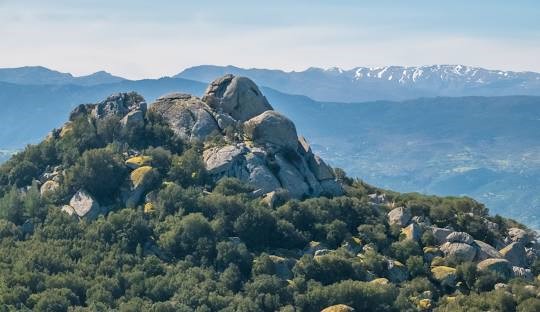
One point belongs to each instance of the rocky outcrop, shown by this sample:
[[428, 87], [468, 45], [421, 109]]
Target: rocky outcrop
[[518, 235], [238, 97], [188, 116], [120, 105], [83, 205], [460, 237], [440, 234], [261, 146], [400, 216]]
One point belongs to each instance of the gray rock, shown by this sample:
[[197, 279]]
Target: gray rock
[[273, 128], [322, 252], [188, 116], [133, 119], [515, 254], [461, 252], [237, 96], [83, 205], [460, 237], [400, 216], [260, 176], [412, 232], [331, 188], [119, 105], [486, 251], [440, 234], [220, 160], [291, 179], [499, 266]]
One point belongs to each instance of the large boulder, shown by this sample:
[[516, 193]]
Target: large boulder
[[338, 308], [515, 253], [400, 216], [83, 205], [188, 116], [460, 252], [237, 96], [260, 176], [498, 266], [486, 251], [273, 128]]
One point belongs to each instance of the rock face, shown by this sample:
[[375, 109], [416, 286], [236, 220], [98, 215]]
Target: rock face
[[237, 96], [120, 105], [188, 116], [261, 146]]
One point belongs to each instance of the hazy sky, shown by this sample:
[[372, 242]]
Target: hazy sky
[[154, 38]]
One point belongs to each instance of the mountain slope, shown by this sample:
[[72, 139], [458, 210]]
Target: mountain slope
[[216, 204], [383, 83]]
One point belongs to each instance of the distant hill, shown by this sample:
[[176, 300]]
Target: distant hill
[[383, 83], [38, 75]]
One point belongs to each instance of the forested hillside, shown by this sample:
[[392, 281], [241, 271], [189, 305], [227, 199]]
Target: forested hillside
[[216, 204]]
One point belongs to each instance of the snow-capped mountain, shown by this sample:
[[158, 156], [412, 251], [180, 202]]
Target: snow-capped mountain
[[383, 83]]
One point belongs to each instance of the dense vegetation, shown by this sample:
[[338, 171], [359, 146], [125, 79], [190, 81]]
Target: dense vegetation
[[200, 245]]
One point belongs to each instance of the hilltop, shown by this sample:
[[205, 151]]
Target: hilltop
[[217, 204]]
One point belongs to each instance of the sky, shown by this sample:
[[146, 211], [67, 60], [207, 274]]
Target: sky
[[149, 39]]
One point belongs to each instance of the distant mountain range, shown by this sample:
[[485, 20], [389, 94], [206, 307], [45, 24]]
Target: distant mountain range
[[382, 83], [484, 147], [38, 75]]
